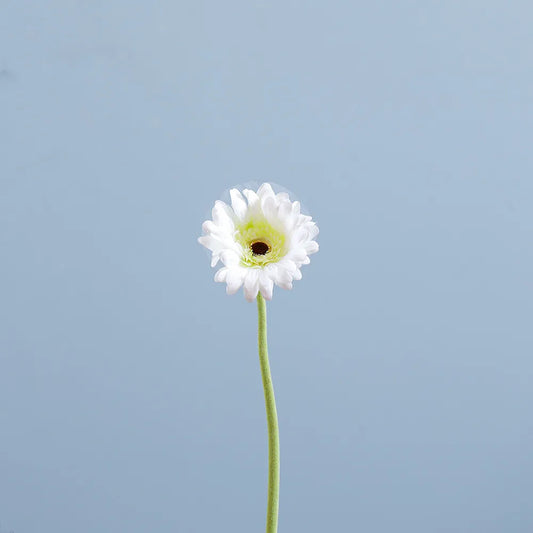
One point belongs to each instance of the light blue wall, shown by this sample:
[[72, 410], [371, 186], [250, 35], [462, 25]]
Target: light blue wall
[[130, 394]]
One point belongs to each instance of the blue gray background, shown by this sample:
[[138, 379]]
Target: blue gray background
[[130, 393]]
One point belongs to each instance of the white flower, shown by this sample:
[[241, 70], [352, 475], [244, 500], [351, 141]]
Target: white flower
[[260, 241]]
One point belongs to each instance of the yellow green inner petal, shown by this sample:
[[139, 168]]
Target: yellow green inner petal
[[259, 236]]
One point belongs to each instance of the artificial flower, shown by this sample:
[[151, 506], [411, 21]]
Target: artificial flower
[[262, 239]]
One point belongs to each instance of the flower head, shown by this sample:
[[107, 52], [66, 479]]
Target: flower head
[[262, 239]]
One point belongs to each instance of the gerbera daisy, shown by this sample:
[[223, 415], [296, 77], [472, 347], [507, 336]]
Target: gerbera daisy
[[261, 240]]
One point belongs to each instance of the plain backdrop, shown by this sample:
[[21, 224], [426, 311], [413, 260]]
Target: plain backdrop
[[130, 392]]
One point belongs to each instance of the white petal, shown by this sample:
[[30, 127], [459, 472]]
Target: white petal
[[290, 222], [284, 210], [270, 209], [223, 216], [291, 267], [253, 199], [296, 208], [313, 230], [234, 279], [265, 191], [230, 257], [288, 264], [251, 284], [221, 275], [311, 247], [238, 204], [297, 254], [283, 278], [266, 285], [216, 243], [300, 235], [207, 241], [210, 227]]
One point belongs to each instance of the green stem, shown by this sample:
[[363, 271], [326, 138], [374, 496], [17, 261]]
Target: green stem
[[272, 421]]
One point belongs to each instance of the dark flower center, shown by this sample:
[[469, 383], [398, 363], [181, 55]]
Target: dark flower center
[[260, 248]]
